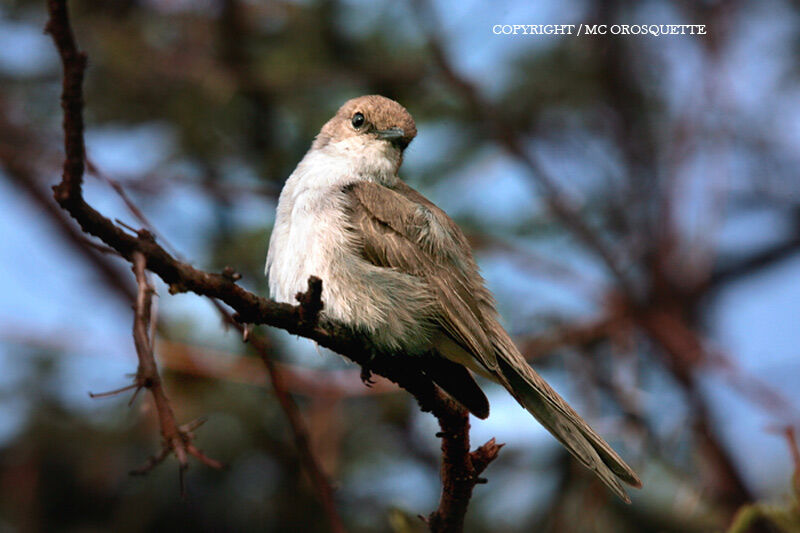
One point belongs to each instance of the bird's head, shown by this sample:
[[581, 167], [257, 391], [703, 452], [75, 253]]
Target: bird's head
[[369, 124]]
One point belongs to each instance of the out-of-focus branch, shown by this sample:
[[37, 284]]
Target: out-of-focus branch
[[684, 350], [259, 118], [508, 139], [754, 263], [16, 154], [665, 325], [319, 384], [569, 336], [533, 262], [206, 363], [132, 207], [318, 477]]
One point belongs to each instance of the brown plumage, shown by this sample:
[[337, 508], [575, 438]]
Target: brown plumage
[[398, 267]]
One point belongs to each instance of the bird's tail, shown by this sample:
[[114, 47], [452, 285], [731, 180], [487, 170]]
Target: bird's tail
[[560, 419]]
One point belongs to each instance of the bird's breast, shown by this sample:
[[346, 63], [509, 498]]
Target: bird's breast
[[309, 239], [313, 236]]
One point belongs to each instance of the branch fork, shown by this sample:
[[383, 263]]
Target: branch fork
[[176, 439]]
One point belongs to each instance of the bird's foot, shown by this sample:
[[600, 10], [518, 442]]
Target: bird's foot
[[366, 376]]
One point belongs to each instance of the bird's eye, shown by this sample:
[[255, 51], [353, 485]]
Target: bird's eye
[[358, 120]]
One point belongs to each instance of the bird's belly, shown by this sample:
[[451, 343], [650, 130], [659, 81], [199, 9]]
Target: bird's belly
[[314, 241]]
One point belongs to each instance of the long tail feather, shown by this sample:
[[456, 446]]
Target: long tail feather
[[562, 421]]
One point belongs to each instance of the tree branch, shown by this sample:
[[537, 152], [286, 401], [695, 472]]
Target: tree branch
[[176, 439], [461, 469], [142, 249]]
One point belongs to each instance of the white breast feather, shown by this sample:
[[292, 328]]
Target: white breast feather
[[311, 237]]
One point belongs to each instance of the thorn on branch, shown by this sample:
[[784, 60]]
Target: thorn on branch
[[230, 274], [145, 235], [152, 234], [99, 247], [127, 226], [151, 463], [135, 394], [310, 301], [114, 392], [483, 455], [177, 288], [194, 424], [136, 386]]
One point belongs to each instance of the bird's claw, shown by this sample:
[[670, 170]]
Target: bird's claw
[[366, 377]]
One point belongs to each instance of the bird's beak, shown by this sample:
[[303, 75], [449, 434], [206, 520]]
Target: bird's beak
[[391, 135]]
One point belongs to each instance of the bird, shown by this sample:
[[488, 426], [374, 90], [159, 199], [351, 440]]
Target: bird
[[398, 269]]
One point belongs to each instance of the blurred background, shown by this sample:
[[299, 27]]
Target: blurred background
[[633, 203]]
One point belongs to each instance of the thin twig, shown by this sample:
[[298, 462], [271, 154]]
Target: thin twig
[[132, 207], [115, 392], [177, 440]]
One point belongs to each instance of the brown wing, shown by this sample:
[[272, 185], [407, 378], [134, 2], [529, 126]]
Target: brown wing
[[399, 228]]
